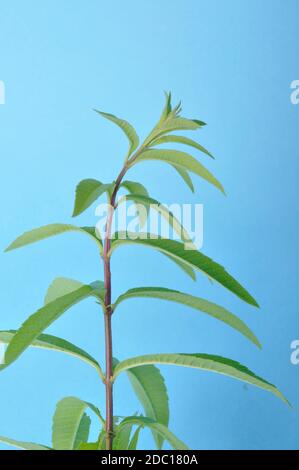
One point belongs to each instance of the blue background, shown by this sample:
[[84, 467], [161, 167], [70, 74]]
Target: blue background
[[232, 64]]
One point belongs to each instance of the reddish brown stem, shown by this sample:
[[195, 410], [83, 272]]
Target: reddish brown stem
[[108, 315]]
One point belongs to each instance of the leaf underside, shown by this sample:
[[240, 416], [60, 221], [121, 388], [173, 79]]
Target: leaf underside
[[208, 362], [197, 303]]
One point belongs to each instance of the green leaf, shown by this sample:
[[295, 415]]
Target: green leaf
[[88, 446], [67, 422], [134, 187], [23, 445], [44, 317], [134, 441], [179, 124], [151, 203], [53, 343], [171, 120], [183, 266], [137, 188], [149, 386], [194, 259], [181, 140], [82, 431], [197, 303], [212, 363], [185, 176], [122, 437], [158, 428], [182, 160], [101, 444], [167, 108], [87, 192], [63, 285], [51, 230], [127, 128]]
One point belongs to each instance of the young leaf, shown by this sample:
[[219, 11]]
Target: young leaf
[[53, 343], [194, 259], [181, 140], [212, 363], [23, 445], [197, 303], [151, 203], [173, 122], [87, 192], [185, 176], [51, 230], [137, 188], [149, 386], [127, 128], [158, 428], [70, 425], [167, 108], [182, 160], [43, 318]]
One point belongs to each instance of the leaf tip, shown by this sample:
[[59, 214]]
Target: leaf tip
[[10, 247]]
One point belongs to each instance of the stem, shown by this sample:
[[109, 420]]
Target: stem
[[108, 309], [108, 315]]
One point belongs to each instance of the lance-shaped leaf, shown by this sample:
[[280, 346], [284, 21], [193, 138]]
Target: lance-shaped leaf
[[82, 431], [134, 441], [70, 425], [173, 124], [183, 266], [158, 428], [127, 128], [122, 437], [182, 160], [53, 343], [194, 259], [197, 303], [51, 230], [208, 362], [166, 110], [179, 139], [185, 176], [133, 187], [171, 120], [44, 317], [23, 445], [88, 446], [64, 285], [149, 386], [151, 203], [87, 192], [137, 188]]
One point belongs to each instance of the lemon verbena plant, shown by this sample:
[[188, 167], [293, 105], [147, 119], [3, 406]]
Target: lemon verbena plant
[[71, 421]]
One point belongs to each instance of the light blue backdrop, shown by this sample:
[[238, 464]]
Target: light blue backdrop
[[231, 62]]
